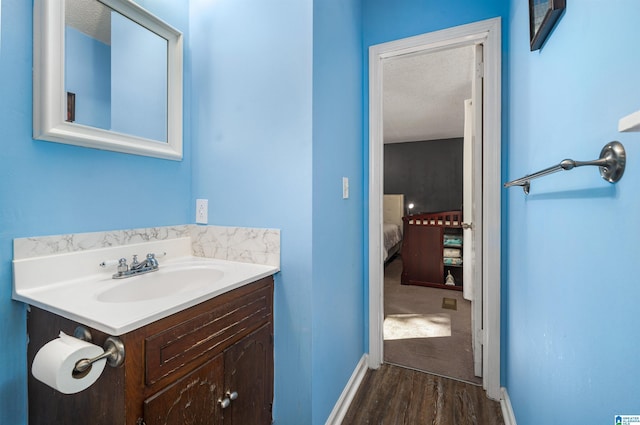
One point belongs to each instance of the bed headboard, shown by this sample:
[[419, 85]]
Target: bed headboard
[[393, 209]]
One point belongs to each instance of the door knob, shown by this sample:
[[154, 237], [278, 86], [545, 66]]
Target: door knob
[[224, 403]]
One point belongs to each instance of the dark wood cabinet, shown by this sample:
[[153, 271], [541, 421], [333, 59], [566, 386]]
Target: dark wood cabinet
[[193, 399], [209, 364], [427, 238], [422, 256], [249, 376], [233, 388]]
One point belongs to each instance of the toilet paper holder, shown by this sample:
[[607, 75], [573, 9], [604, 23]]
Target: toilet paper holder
[[113, 352]]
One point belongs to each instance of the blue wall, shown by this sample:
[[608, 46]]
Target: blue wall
[[277, 126], [572, 346], [252, 127], [338, 255], [388, 20], [139, 80], [87, 65], [49, 188]]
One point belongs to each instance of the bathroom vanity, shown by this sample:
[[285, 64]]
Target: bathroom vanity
[[208, 364], [197, 330]]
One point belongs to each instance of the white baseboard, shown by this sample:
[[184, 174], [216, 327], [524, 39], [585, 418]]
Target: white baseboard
[[349, 392], [507, 410]]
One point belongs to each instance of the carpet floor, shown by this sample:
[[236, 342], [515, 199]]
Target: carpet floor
[[423, 331]]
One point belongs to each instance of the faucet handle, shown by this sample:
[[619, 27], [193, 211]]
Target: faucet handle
[[135, 262], [122, 265], [151, 260]]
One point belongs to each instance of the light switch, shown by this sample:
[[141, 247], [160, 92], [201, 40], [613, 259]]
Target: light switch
[[345, 188]]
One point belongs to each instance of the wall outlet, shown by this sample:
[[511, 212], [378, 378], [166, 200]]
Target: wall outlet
[[202, 211]]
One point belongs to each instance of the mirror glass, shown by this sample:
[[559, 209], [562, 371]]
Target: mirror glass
[[107, 75], [115, 72]]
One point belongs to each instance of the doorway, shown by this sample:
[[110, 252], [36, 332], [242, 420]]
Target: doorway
[[487, 34]]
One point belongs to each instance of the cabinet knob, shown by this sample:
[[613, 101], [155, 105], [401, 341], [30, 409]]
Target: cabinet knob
[[232, 395], [224, 403]]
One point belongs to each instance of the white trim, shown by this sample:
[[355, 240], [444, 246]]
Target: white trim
[[348, 393], [49, 98], [376, 184], [507, 410], [491, 207], [487, 32]]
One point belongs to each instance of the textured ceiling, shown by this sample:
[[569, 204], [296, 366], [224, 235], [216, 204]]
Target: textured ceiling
[[89, 17], [424, 94]]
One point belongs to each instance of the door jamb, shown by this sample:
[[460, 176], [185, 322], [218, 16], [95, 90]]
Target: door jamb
[[487, 32]]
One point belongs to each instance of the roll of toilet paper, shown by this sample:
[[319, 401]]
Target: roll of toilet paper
[[54, 363]]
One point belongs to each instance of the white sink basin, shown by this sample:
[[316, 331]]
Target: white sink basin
[[161, 283], [73, 286]]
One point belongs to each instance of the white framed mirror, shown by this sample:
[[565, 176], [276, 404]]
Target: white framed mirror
[[107, 75]]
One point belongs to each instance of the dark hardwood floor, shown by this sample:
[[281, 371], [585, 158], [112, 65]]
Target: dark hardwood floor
[[395, 395]]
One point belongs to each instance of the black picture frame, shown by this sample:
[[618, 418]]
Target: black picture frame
[[543, 15]]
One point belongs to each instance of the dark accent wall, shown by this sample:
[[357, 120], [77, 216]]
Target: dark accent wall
[[428, 173]]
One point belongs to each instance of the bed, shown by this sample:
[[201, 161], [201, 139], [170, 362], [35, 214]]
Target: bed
[[393, 210]]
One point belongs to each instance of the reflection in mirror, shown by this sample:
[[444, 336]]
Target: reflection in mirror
[[116, 70], [107, 75]]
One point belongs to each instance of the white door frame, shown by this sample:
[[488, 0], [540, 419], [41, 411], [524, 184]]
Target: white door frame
[[488, 33]]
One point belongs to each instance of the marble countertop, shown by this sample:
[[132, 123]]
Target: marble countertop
[[73, 284]]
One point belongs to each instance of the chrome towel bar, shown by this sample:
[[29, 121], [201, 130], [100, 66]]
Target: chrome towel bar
[[612, 161]]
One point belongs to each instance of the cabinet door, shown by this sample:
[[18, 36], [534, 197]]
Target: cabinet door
[[422, 255], [192, 400], [249, 373]]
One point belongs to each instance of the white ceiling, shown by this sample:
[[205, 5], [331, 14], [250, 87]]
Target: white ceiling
[[424, 94], [89, 17]]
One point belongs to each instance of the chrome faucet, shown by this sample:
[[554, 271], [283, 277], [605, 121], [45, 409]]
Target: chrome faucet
[[150, 264]]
